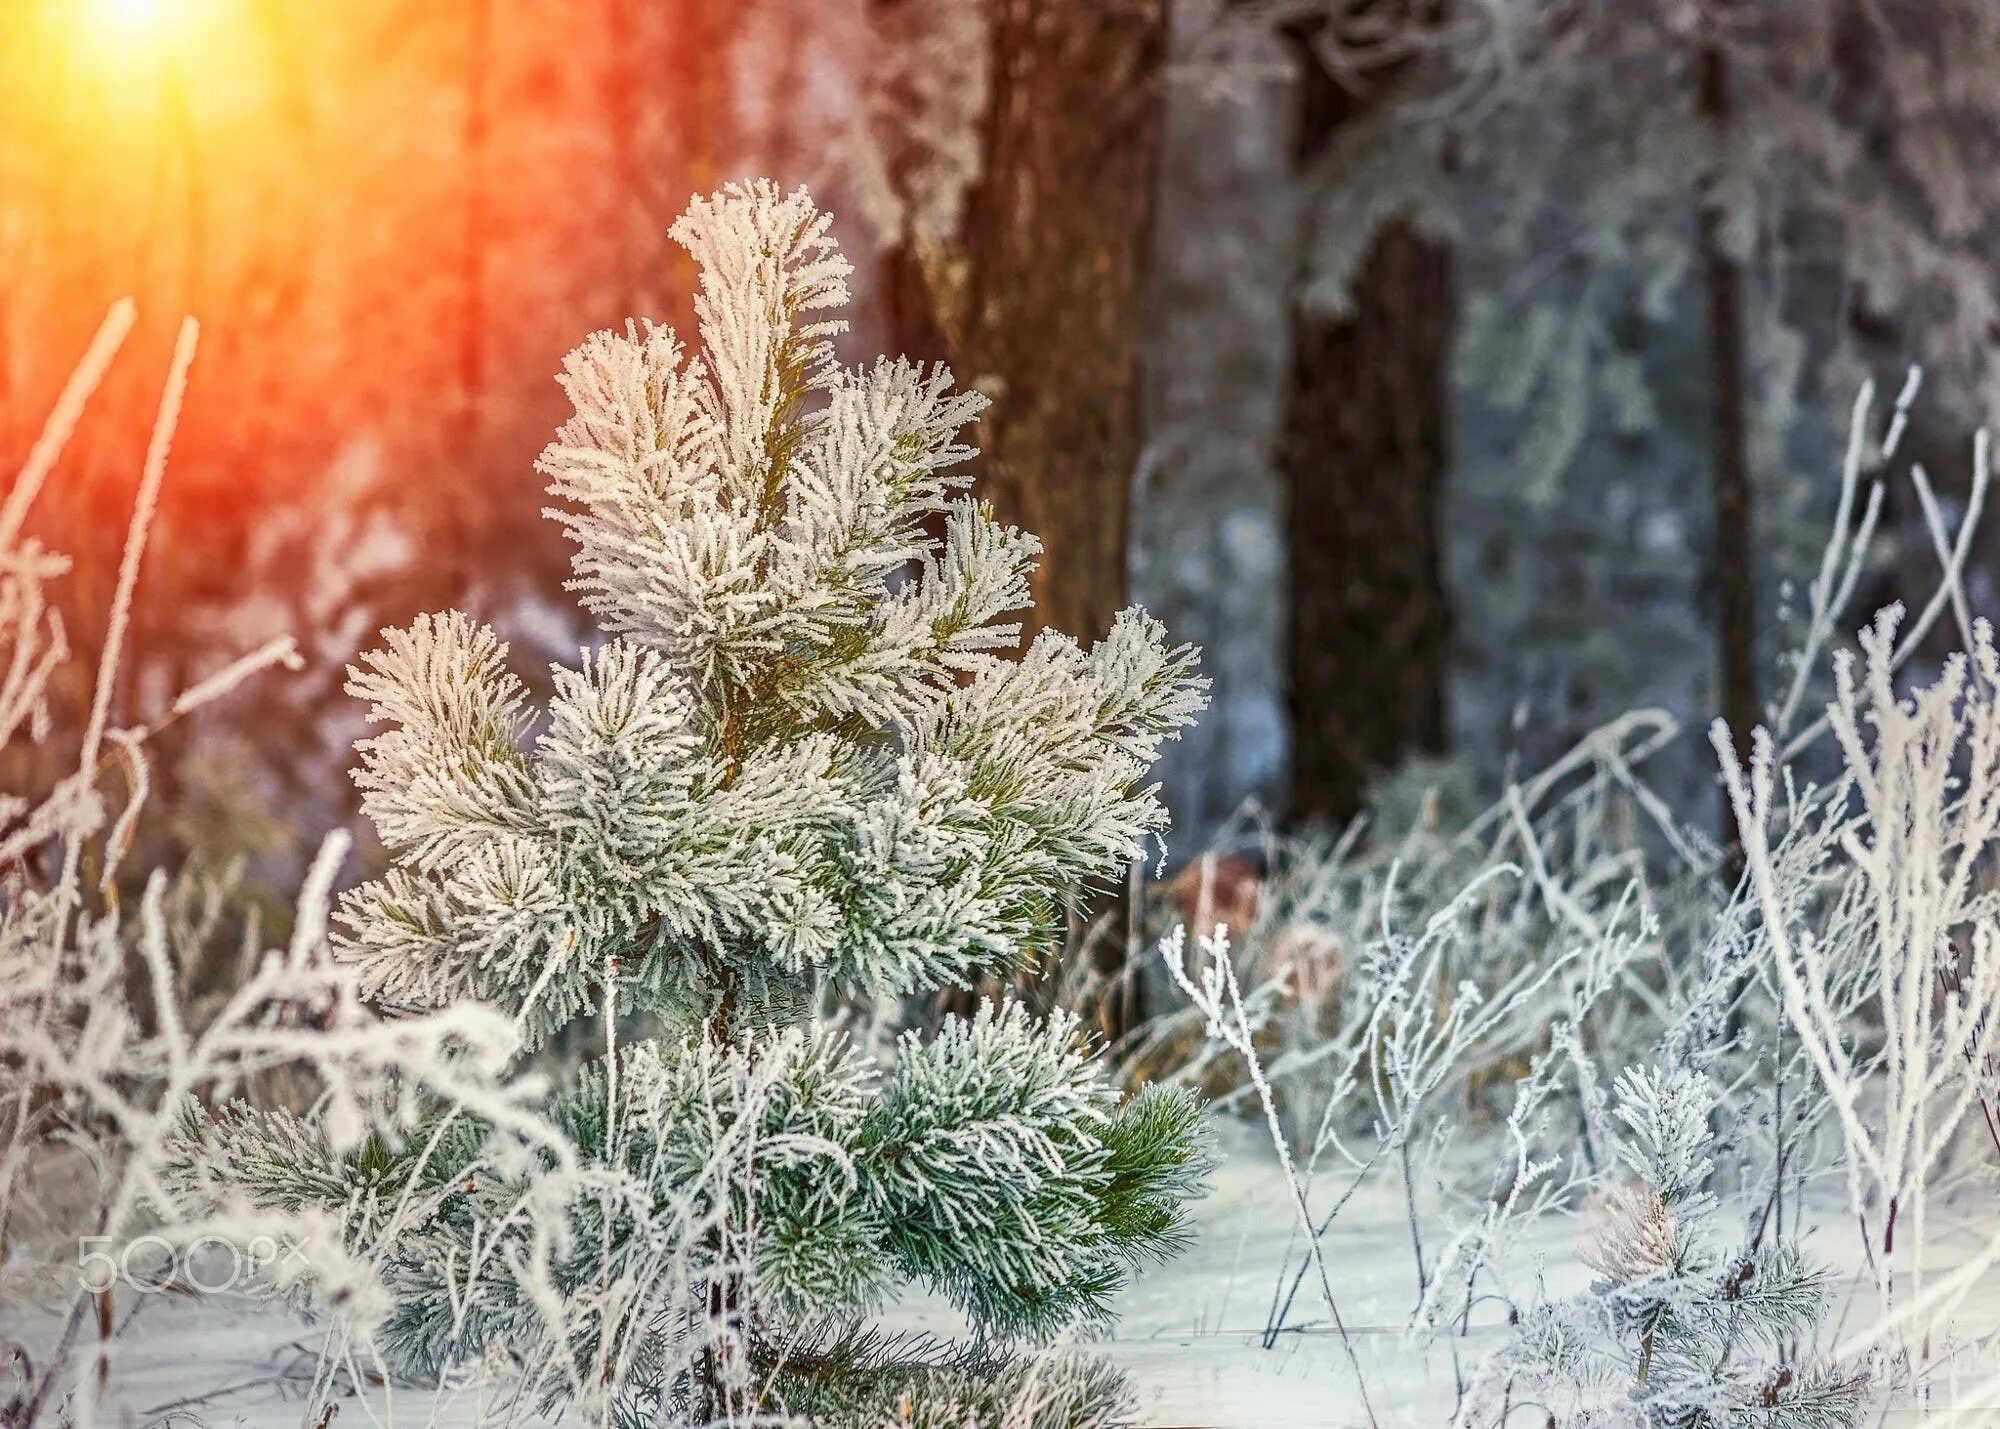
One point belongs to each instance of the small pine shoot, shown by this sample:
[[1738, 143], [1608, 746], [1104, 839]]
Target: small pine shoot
[[1677, 1332]]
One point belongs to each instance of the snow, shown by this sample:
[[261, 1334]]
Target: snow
[[1188, 1333]]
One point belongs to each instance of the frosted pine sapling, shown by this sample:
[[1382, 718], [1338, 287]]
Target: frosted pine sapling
[[800, 758], [1677, 1333]]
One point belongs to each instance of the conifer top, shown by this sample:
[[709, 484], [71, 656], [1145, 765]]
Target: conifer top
[[807, 746]]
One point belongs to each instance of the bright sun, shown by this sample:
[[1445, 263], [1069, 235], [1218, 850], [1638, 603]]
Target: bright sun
[[137, 35], [131, 21], [129, 62]]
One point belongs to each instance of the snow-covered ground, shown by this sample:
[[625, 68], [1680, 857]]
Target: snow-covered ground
[[1189, 1333]]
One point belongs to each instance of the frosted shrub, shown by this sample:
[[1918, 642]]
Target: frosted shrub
[[798, 761], [1581, 858], [1485, 960], [1879, 918], [1829, 1014], [96, 1084]]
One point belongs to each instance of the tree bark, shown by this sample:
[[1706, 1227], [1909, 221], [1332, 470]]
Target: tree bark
[[1731, 574], [1051, 281], [1362, 457]]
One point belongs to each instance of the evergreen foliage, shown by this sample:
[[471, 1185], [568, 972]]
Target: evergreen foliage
[[869, 1381], [800, 760], [1678, 1332]]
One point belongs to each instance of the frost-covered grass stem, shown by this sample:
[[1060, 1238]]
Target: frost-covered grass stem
[[1220, 1000]]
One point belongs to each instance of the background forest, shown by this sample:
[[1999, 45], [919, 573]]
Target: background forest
[[1522, 406], [1516, 338]]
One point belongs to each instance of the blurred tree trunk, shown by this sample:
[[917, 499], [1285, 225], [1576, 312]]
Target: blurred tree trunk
[[460, 518], [473, 142], [669, 107], [1362, 456], [915, 329], [1039, 303], [1731, 575]]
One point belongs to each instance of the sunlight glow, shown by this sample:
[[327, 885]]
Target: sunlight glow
[[140, 62], [131, 19], [128, 42]]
